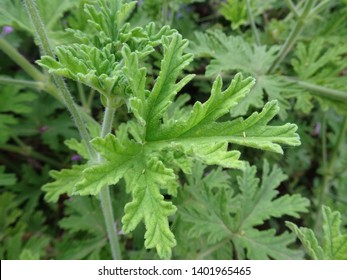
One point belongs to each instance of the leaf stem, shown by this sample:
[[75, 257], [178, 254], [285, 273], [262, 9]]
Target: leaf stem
[[291, 40], [11, 52], [321, 91], [252, 21], [28, 151]]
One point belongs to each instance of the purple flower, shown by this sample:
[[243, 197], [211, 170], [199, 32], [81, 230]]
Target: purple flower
[[43, 129], [7, 30], [76, 157]]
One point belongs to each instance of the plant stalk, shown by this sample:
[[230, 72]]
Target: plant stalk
[[11, 52], [46, 49], [252, 21], [105, 198], [321, 91], [34, 14], [291, 40]]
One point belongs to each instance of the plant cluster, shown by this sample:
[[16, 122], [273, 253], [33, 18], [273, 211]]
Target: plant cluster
[[126, 135]]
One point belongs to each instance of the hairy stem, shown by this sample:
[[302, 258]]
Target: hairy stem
[[252, 21], [105, 192], [47, 50], [70, 104], [11, 52], [291, 40]]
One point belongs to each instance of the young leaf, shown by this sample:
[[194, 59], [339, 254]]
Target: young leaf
[[65, 181], [149, 205], [138, 152], [335, 243]]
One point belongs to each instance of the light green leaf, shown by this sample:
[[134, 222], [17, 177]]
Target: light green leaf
[[335, 243], [309, 240], [149, 205], [118, 156], [65, 182]]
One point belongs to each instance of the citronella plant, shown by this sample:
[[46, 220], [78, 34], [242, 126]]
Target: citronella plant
[[149, 149]]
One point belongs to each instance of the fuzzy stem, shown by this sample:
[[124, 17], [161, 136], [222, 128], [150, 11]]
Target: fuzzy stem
[[42, 37], [11, 52], [291, 40], [105, 192], [107, 124], [252, 21]]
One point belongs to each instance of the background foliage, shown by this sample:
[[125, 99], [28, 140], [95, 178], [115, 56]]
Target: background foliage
[[252, 74]]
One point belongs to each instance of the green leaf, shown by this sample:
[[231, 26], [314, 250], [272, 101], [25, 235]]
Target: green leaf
[[83, 217], [233, 54], [320, 62], [260, 203], [65, 182], [236, 10], [57, 127], [265, 244], [119, 156], [218, 215], [149, 205], [335, 243], [97, 68], [83, 214], [309, 240], [5, 178], [139, 151], [12, 101]]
